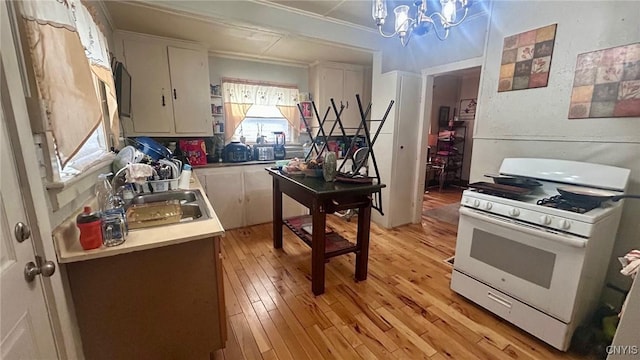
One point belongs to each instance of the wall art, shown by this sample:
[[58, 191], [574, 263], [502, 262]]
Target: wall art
[[607, 83], [526, 59], [467, 109]]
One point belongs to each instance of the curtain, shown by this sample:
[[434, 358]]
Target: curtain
[[239, 96], [65, 48]]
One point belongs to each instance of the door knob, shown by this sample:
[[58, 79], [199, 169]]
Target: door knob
[[22, 232], [46, 268]]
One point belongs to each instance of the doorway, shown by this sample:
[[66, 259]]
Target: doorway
[[450, 96]]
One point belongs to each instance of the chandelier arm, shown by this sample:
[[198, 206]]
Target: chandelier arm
[[441, 37], [447, 24], [405, 41], [385, 35], [410, 29]]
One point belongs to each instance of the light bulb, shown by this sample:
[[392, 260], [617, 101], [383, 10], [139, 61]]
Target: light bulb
[[402, 19], [449, 10], [379, 11]]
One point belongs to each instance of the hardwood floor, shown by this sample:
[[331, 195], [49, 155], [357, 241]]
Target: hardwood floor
[[404, 310]]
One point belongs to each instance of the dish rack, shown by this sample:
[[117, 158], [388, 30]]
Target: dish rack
[[153, 186]]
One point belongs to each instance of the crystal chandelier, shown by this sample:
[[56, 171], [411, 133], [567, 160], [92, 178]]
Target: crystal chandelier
[[405, 25]]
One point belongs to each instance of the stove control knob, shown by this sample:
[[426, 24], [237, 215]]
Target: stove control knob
[[565, 224], [545, 219], [514, 212], [476, 203], [488, 205]]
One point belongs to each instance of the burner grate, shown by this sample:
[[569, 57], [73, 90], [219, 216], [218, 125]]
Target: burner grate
[[562, 203]]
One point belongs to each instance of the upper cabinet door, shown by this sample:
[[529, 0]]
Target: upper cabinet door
[[331, 87], [190, 91], [151, 106], [353, 84]]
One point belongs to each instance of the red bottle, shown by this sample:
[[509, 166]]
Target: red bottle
[[90, 226]]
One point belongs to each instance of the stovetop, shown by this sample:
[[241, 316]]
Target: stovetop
[[560, 202]]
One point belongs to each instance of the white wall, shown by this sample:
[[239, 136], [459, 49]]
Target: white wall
[[533, 123], [468, 90], [256, 70]]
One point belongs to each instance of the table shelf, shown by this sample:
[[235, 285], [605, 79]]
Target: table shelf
[[335, 244]]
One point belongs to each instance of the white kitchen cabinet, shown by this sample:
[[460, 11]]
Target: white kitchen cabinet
[[169, 86], [191, 104], [341, 82], [258, 196], [243, 195], [225, 191], [152, 108]]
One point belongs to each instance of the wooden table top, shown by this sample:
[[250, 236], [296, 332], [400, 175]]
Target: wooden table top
[[319, 187]]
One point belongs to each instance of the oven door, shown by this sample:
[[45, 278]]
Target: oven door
[[532, 264]]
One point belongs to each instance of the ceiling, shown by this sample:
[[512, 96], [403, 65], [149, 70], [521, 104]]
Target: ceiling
[[227, 38], [299, 32]]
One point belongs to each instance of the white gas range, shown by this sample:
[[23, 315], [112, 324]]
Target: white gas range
[[540, 267]]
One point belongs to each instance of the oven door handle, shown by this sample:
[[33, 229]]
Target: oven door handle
[[565, 239]]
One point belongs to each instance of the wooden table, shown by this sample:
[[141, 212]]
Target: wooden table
[[324, 198]]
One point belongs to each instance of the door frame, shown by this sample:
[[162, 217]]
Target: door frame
[[426, 106], [59, 304]]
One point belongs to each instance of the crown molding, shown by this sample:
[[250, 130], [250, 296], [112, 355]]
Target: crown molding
[[258, 58], [316, 16]]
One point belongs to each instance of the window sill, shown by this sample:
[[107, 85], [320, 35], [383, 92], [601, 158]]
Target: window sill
[[62, 193]]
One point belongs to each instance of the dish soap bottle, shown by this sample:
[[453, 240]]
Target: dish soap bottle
[[185, 177]]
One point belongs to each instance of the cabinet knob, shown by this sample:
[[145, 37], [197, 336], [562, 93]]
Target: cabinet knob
[[175, 95], [163, 104]]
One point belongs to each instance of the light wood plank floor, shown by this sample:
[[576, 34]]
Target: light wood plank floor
[[404, 310]]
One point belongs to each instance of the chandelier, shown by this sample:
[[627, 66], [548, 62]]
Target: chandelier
[[405, 26]]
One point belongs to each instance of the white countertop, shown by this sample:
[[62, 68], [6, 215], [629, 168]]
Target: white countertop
[[67, 243]]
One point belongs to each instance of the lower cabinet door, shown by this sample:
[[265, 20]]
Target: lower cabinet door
[[225, 192], [258, 196]]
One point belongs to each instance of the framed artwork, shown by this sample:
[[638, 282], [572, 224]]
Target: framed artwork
[[306, 109], [467, 109], [607, 83], [526, 59], [443, 115]]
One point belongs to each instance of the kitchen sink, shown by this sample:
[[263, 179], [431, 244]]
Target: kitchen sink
[[192, 204]]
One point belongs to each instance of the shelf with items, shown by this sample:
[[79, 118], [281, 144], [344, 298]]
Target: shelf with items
[[217, 110], [449, 152]]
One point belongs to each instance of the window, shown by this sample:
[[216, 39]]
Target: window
[[93, 149], [265, 120]]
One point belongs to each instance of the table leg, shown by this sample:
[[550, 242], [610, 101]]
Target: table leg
[[277, 214], [319, 221], [362, 256]]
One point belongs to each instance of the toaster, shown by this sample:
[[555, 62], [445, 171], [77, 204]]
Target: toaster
[[263, 152]]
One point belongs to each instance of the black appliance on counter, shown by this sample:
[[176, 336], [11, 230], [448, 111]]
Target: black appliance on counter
[[279, 151], [237, 152]]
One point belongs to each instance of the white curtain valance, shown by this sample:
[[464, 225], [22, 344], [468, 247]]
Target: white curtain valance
[[56, 13], [240, 93], [92, 39]]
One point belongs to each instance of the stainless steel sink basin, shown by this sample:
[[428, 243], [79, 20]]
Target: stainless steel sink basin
[[192, 203]]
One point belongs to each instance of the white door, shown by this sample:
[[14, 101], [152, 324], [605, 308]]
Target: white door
[[405, 151], [226, 194], [151, 105], [25, 329], [190, 91], [353, 84]]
